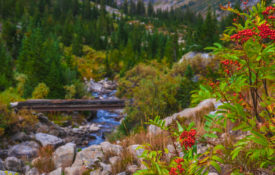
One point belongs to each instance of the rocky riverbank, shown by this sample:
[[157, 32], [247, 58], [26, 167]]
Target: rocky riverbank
[[25, 153], [20, 148]]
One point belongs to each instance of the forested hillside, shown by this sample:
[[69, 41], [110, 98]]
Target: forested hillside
[[195, 79], [43, 39]]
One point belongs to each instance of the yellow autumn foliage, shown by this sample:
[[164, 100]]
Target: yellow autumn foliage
[[91, 64], [41, 91]]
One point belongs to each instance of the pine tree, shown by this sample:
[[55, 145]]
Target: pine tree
[[54, 78], [77, 45], [86, 9], [6, 72], [140, 8], [125, 7], [150, 11], [133, 7]]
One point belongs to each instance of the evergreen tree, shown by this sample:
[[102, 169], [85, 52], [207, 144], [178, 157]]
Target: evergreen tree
[[125, 7], [54, 78], [77, 45], [140, 8], [6, 72], [9, 34], [133, 7], [86, 9], [150, 11]]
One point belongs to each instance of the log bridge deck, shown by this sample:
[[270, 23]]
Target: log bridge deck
[[69, 105]]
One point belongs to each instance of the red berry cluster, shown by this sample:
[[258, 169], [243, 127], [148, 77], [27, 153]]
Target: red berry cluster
[[268, 10], [229, 65], [243, 35], [177, 170], [266, 32], [187, 138]]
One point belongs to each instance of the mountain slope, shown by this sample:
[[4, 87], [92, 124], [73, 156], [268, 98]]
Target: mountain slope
[[200, 6]]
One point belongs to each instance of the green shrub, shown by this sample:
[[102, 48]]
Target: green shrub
[[41, 91], [153, 92]]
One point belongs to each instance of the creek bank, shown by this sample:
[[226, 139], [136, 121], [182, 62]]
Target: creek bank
[[23, 147], [101, 158]]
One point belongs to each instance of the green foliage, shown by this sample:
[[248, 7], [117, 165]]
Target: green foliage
[[6, 72], [154, 93], [245, 91], [152, 161]]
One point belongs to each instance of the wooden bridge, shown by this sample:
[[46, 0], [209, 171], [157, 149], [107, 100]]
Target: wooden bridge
[[68, 105]]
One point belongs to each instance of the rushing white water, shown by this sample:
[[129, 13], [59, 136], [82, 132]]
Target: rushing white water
[[106, 119]]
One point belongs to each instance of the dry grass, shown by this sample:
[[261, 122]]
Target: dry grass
[[161, 140], [126, 159], [44, 163], [158, 142]]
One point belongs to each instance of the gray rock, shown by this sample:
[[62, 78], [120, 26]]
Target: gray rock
[[77, 170], [106, 167], [2, 167], [14, 164], [64, 155], [213, 174], [26, 168], [94, 128], [88, 156], [46, 126], [100, 172], [33, 171], [96, 172], [20, 137], [8, 173], [56, 172], [135, 151], [114, 160], [112, 148], [43, 119], [26, 150], [46, 139], [122, 173], [3, 153], [131, 169]]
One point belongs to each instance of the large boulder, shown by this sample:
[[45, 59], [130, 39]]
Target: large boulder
[[2, 167], [88, 156], [56, 172], [46, 139], [27, 150], [14, 164], [76, 170], [107, 147], [64, 155], [189, 114]]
